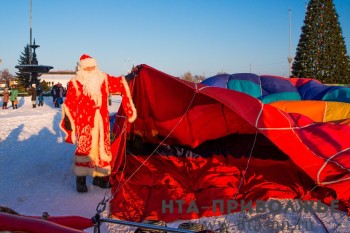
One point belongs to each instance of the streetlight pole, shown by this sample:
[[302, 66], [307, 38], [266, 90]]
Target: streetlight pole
[[30, 34]]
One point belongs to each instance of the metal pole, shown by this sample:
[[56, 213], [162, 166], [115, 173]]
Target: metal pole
[[30, 39], [147, 226], [290, 58]]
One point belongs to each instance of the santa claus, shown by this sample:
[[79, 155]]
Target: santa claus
[[85, 120]]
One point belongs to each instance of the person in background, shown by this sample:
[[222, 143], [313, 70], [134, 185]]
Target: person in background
[[41, 99], [13, 97], [33, 91], [53, 94], [58, 92], [5, 98], [85, 121]]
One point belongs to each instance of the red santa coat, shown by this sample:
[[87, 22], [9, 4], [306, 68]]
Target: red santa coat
[[87, 125]]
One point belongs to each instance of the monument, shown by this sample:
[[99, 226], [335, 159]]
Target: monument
[[34, 68]]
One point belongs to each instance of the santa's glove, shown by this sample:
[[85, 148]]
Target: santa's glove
[[135, 71], [130, 76]]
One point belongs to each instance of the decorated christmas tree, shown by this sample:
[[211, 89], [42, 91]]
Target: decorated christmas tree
[[321, 51]]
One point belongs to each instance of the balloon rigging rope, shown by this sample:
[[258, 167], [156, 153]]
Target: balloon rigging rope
[[119, 187], [327, 161], [107, 191], [250, 155], [318, 175], [153, 152], [161, 143], [330, 159], [253, 146], [251, 150]]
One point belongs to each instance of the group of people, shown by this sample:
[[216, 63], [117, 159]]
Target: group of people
[[37, 98], [10, 95], [57, 92], [37, 92]]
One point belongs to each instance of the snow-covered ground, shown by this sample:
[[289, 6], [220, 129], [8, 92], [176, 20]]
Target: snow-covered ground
[[35, 164], [36, 176]]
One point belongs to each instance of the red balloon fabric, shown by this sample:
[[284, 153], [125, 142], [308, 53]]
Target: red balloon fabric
[[62, 224], [193, 143]]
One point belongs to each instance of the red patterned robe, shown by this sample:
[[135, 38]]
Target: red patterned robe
[[87, 125]]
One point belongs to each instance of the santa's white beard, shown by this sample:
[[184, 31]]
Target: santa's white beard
[[92, 82]]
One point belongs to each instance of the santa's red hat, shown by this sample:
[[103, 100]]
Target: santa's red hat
[[87, 61]]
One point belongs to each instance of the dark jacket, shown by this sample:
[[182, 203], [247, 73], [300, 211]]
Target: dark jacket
[[33, 90]]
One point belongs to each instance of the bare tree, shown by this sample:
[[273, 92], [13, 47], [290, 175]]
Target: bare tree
[[198, 78], [187, 76], [6, 76]]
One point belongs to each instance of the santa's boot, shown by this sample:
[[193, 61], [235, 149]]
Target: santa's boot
[[81, 184], [101, 181]]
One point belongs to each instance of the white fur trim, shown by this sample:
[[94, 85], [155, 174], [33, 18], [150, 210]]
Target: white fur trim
[[87, 62], [128, 95], [97, 142], [74, 138], [74, 81], [89, 171], [98, 132]]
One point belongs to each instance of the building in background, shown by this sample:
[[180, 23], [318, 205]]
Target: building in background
[[54, 77]]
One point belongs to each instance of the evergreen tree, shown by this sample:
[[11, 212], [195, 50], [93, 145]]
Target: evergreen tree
[[24, 59], [321, 51]]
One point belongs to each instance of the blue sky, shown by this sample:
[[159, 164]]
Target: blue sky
[[174, 36]]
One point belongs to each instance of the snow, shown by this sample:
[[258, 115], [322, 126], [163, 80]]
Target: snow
[[36, 174], [35, 167]]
